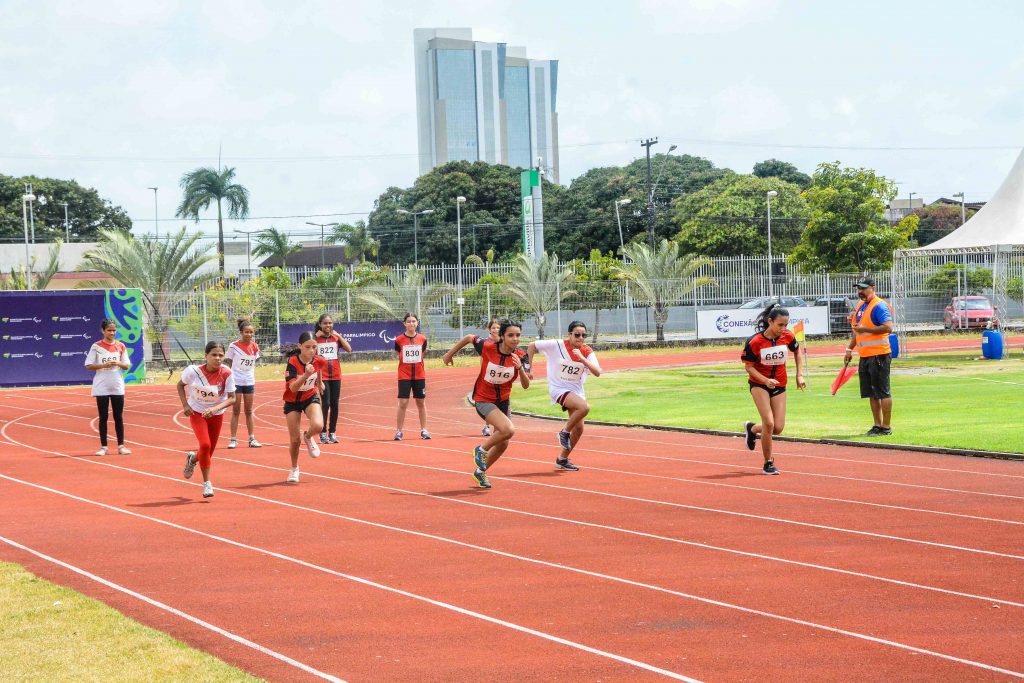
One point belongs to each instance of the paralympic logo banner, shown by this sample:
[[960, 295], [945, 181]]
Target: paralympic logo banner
[[363, 336], [739, 322], [45, 336]]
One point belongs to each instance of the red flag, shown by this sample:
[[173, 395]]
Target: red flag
[[845, 373]]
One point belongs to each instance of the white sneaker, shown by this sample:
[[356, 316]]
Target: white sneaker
[[253, 443], [190, 464], [425, 435], [314, 450], [486, 431], [398, 435], [332, 437], [102, 450], [293, 476], [123, 450], [232, 443], [207, 489]]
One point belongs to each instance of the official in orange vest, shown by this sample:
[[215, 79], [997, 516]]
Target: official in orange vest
[[872, 324]]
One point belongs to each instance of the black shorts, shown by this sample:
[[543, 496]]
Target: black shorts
[[772, 393], [300, 406], [418, 388], [874, 376], [245, 388], [485, 409]]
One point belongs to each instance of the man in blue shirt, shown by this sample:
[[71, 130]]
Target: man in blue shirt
[[871, 325]]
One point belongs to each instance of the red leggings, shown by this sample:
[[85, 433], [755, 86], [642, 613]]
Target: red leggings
[[207, 431]]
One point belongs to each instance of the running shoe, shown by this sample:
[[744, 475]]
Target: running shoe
[[884, 431], [425, 435], [190, 464], [481, 479], [874, 431], [332, 437], [486, 431], [207, 489], [398, 435], [102, 450], [751, 436], [480, 458], [314, 450], [769, 468], [123, 450], [253, 443], [564, 440], [566, 465], [323, 437], [232, 443], [293, 476]]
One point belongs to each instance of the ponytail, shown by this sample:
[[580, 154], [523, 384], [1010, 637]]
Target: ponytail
[[295, 349], [244, 323], [768, 315]]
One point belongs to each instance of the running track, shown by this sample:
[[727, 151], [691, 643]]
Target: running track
[[667, 556]]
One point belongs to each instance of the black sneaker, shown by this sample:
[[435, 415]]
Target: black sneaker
[[884, 431], [874, 431], [564, 440], [751, 436], [769, 468], [566, 465]]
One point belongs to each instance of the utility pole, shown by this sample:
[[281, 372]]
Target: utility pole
[[67, 226], [650, 191]]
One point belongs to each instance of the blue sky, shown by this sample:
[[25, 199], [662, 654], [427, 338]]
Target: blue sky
[[314, 105]]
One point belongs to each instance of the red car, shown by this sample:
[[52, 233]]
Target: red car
[[968, 311]]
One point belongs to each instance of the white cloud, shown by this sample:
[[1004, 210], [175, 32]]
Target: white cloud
[[705, 16]]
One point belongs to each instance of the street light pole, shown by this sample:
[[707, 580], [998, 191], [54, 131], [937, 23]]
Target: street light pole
[[963, 211], [323, 261], [650, 191], [31, 213], [415, 231], [26, 199], [458, 236], [910, 204], [248, 250], [771, 272], [156, 213], [618, 203], [67, 225]]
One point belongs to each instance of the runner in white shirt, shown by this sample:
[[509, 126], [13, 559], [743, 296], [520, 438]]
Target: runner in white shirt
[[570, 361], [241, 358], [210, 389], [108, 359]]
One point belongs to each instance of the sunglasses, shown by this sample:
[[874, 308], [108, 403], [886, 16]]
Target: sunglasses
[[580, 335]]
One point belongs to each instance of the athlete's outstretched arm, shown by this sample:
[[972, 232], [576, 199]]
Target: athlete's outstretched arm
[[449, 355]]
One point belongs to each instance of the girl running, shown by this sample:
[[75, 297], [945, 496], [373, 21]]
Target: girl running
[[328, 346], [412, 377], [500, 364], [492, 330], [765, 355], [570, 360], [107, 358], [211, 389], [303, 383], [241, 358]]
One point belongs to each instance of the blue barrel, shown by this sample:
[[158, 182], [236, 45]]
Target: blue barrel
[[894, 344], [992, 345]]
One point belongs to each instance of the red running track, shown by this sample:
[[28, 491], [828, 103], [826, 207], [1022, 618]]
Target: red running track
[[667, 556]]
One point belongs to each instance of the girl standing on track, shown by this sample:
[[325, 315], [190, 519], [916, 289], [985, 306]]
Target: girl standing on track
[[412, 376], [570, 360], [211, 389], [764, 356], [501, 362], [328, 345], [241, 358], [492, 331], [303, 383], [107, 358]]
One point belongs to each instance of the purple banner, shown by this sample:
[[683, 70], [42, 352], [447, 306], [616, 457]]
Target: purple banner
[[372, 336]]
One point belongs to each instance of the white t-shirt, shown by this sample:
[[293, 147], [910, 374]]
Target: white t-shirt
[[202, 393], [565, 371], [243, 363], [109, 381]]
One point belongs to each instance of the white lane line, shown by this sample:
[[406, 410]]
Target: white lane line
[[994, 381], [177, 612]]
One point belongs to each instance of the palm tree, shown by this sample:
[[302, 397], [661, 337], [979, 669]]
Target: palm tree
[[204, 186], [164, 269], [356, 238], [404, 293], [40, 279], [662, 277], [275, 244], [540, 285]]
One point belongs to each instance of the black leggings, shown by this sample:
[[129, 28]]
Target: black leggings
[[103, 402], [332, 394]]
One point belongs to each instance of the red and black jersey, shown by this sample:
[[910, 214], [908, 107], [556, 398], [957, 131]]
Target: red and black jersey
[[295, 369], [411, 351], [497, 372], [329, 348], [769, 356]]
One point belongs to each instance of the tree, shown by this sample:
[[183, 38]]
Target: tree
[[952, 279], [204, 186], [356, 238], [40, 278], [87, 211], [598, 286], [873, 248], [540, 285], [844, 202], [937, 221], [730, 217], [783, 170], [275, 244], [165, 269], [662, 277], [404, 293]]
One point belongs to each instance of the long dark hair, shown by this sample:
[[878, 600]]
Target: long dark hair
[[320, 322], [768, 315], [296, 349]]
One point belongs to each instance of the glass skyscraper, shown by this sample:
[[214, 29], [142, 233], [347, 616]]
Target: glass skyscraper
[[483, 102]]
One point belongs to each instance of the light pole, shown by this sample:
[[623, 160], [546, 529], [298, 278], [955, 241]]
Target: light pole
[[156, 213], [963, 211], [67, 226], [323, 262], [910, 204], [415, 231], [650, 191], [618, 203], [480, 225], [771, 272], [248, 252], [458, 236], [26, 200]]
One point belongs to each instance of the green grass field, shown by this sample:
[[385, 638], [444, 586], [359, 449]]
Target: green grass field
[[50, 633], [950, 400]]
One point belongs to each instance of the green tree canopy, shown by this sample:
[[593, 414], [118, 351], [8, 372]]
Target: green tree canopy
[[275, 244], [88, 213], [937, 221], [783, 170]]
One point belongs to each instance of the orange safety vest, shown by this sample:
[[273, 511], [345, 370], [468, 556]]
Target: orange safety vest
[[870, 344]]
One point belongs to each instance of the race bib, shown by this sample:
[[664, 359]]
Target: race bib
[[774, 355], [412, 353], [569, 371], [499, 374], [246, 362], [114, 357], [206, 395], [327, 351], [310, 382]]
